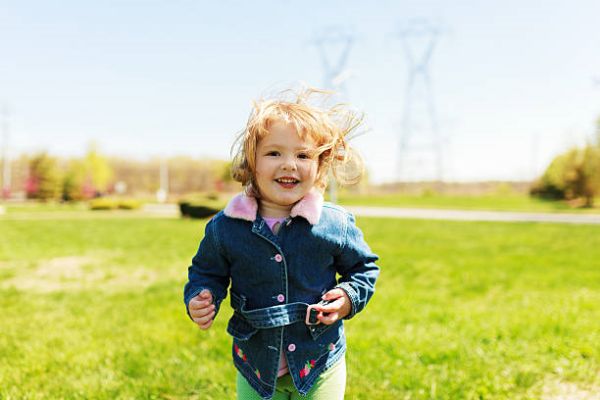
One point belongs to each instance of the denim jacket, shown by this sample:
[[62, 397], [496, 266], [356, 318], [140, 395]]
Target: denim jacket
[[273, 280]]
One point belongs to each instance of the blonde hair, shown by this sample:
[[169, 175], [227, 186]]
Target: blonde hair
[[329, 127]]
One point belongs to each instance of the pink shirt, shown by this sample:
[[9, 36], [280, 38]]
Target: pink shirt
[[272, 221], [283, 367]]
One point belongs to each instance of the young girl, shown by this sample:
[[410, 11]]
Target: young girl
[[281, 247]]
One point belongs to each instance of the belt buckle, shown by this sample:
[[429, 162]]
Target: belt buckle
[[311, 315], [311, 312]]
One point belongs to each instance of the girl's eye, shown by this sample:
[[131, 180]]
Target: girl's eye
[[304, 156], [273, 153]]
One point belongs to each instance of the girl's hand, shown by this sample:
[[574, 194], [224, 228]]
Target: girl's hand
[[339, 307], [202, 310]]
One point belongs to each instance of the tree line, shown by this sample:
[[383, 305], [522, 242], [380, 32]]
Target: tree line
[[46, 177], [573, 175]]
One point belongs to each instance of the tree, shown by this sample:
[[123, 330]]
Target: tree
[[597, 138], [73, 180], [591, 172], [98, 173], [574, 174], [44, 177]]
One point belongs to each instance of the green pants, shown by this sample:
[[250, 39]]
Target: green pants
[[329, 386]]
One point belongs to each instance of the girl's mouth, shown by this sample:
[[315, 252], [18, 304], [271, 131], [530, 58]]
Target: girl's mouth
[[287, 183]]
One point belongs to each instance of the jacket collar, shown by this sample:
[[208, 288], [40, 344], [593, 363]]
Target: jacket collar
[[245, 207]]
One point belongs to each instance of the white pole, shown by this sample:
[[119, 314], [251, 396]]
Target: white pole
[[164, 175], [163, 192]]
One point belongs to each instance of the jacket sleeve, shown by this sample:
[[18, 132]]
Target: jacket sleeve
[[209, 269], [356, 265]]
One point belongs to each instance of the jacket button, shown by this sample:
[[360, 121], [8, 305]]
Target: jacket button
[[278, 258], [292, 347], [281, 298]]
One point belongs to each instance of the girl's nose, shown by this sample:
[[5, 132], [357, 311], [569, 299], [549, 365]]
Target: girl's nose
[[289, 164]]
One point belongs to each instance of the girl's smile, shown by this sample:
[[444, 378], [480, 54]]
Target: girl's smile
[[286, 169], [287, 182]]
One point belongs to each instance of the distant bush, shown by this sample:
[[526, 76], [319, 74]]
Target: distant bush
[[107, 203], [44, 179], [129, 204], [201, 205], [429, 192], [503, 189], [103, 203], [572, 175]]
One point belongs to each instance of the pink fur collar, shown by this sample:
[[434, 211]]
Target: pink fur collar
[[245, 207]]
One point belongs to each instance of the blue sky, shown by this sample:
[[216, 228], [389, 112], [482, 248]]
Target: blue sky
[[513, 81]]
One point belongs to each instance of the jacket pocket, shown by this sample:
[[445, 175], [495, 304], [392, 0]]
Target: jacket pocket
[[239, 328]]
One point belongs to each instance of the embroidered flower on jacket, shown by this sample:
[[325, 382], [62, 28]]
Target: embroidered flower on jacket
[[239, 352], [307, 367], [257, 372], [331, 347]]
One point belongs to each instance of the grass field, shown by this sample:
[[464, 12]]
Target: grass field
[[92, 309], [492, 202]]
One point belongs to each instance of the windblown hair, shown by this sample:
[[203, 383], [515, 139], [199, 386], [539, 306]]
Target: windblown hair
[[329, 127]]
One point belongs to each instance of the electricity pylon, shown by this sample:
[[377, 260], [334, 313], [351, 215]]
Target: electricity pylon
[[420, 146], [335, 73]]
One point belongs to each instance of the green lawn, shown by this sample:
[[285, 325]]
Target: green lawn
[[493, 202], [92, 308], [35, 207]]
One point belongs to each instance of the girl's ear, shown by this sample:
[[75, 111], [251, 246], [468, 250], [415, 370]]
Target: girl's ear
[[324, 155]]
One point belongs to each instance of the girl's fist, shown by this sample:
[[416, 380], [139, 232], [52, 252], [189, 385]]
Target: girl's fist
[[339, 307], [202, 310]]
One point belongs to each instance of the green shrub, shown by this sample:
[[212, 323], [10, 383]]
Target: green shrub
[[129, 204], [202, 205], [44, 182], [572, 175], [108, 203], [103, 203]]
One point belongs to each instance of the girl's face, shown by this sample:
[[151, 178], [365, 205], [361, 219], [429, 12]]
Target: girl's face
[[286, 167]]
